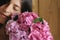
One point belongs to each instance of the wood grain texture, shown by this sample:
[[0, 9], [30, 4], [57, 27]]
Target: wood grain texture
[[59, 19], [35, 6]]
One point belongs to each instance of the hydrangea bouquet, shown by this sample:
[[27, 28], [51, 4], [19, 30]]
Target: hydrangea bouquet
[[28, 26]]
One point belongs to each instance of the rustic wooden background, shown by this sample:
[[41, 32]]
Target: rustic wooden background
[[50, 11]]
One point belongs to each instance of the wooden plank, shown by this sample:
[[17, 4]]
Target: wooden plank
[[35, 6], [58, 19]]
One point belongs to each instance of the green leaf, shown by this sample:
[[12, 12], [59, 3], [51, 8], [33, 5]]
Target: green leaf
[[38, 20]]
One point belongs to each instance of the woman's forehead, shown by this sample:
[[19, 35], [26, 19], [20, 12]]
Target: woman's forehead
[[16, 2]]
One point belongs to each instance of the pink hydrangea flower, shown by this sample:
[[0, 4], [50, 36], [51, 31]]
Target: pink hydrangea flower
[[25, 28], [40, 31]]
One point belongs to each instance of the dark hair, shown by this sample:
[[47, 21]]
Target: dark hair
[[26, 7], [2, 2], [15, 18]]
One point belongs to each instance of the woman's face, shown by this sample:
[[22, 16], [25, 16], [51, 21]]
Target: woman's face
[[12, 7]]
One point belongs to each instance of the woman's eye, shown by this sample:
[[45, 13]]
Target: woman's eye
[[16, 8]]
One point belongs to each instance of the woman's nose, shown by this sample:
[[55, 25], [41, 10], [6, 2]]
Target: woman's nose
[[9, 8]]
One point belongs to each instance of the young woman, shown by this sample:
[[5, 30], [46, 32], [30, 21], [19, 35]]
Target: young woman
[[7, 7]]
